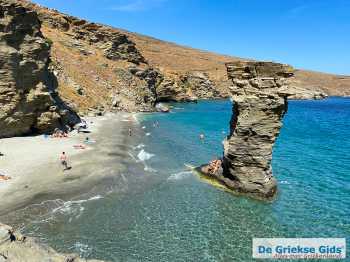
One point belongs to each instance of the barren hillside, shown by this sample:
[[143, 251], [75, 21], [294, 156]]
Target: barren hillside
[[99, 67], [178, 58]]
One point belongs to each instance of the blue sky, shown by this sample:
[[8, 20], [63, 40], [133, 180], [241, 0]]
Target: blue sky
[[309, 34]]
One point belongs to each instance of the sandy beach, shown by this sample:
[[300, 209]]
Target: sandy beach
[[37, 174]]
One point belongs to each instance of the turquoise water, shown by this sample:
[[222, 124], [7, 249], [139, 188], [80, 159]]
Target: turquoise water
[[167, 214]]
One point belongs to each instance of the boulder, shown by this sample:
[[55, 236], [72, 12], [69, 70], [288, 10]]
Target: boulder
[[162, 108]]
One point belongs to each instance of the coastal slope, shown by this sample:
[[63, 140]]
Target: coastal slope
[[101, 68]]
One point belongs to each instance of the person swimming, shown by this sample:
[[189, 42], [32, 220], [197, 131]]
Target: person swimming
[[201, 137]]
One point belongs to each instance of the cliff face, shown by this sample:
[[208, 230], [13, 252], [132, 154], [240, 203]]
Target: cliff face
[[92, 64], [114, 45], [259, 93], [26, 105], [187, 87], [95, 66], [92, 68]]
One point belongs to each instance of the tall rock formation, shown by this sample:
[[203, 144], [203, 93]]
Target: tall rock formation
[[259, 94], [28, 102]]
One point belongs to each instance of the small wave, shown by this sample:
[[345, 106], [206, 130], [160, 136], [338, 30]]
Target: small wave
[[135, 117], [95, 197], [143, 155], [149, 169], [143, 127], [285, 182], [83, 249], [139, 146], [179, 176], [74, 206], [148, 134]]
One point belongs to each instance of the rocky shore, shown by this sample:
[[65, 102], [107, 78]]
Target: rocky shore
[[26, 249]]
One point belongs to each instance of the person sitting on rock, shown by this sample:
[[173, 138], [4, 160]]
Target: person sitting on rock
[[217, 164], [214, 166]]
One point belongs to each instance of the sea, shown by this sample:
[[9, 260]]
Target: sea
[[162, 211]]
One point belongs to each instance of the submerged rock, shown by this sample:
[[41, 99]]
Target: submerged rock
[[259, 104]]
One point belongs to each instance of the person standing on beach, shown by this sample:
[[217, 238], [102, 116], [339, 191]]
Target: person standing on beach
[[129, 131], [63, 159]]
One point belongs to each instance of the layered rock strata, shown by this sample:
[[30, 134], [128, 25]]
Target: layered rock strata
[[259, 91], [28, 101]]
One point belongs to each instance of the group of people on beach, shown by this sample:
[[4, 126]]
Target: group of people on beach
[[57, 133]]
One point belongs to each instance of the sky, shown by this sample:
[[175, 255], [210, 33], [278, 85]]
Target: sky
[[308, 34]]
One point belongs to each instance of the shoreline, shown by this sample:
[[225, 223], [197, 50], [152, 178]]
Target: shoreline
[[38, 177], [29, 249], [36, 172]]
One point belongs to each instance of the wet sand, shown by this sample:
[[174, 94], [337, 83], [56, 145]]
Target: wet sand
[[36, 172]]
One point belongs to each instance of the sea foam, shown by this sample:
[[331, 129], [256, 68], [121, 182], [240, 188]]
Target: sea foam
[[179, 176], [143, 155]]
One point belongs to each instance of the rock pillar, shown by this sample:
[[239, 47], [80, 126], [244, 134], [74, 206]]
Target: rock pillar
[[259, 104]]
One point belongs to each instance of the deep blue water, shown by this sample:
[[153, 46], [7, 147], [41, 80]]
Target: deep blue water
[[172, 216]]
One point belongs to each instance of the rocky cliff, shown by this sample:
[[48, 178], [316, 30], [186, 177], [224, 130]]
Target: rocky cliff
[[76, 65], [259, 91], [92, 64], [28, 102], [99, 68]]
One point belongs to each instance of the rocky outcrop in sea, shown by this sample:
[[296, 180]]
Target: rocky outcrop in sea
[[259, 92], [28, 99]]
